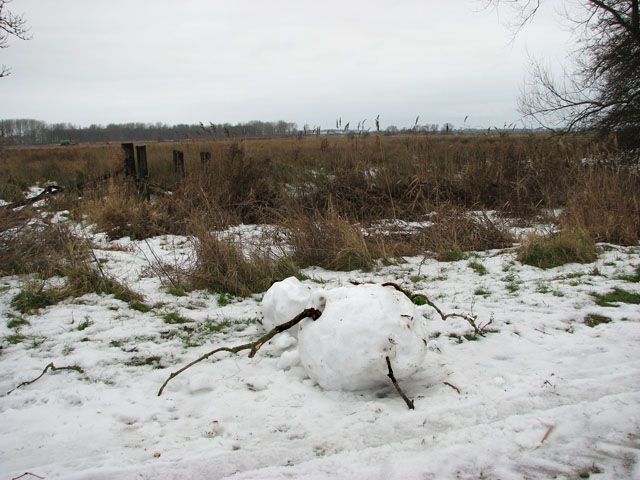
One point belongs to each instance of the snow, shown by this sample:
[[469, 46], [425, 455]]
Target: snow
[[345, 348], [542, 395], [283, 301]]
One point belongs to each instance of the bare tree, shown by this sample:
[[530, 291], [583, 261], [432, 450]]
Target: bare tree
[[10, 25], [601, 88]]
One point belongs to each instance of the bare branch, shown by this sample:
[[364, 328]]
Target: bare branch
[[395, 384], [252, 346], [51, 367]]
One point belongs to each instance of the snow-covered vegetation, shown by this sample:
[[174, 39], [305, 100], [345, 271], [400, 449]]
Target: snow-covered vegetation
[[499, 277], [550, 390]]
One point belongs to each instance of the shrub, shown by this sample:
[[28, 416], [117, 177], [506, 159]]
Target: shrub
[[329, 241], [457, 231], [617, 295], [221, 266], [572, 245], [81, 278], [606, 203], [121, 212], [31, 247]]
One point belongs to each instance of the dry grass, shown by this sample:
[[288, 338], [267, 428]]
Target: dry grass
[[606, 203], [570, 245], [329, 241], [221, 266], [28, 247], [119, 211], [323, 189]]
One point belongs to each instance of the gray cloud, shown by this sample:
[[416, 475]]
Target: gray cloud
[[303, 61]]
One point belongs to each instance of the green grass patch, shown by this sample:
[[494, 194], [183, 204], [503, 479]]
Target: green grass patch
[[153, 361], [451, 254], [478, 267], [513, 283], [224, 299], [33, 297], [86, 323], [593, 319], [567, 246], [15, 322], [617, 295], [81, 280], [631, 278], [543, 288], [481, 291], [15, 338], [174, 318], [176, 291]]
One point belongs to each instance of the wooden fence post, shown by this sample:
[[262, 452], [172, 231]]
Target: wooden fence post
[[205, 158], [143, 167], [129, 160], [143, 170], [178, 163]]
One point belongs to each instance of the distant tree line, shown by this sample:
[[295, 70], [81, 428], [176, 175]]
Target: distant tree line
[[23, 131]]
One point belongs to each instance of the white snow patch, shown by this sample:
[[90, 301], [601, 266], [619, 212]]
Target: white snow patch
[[345, 348], [283, 301]]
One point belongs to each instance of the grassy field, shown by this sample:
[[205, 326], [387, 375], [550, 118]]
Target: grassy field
[[328, 194]]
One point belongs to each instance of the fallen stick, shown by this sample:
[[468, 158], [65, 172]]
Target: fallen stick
[[28, 473], [395, 384], [252, 346], [470, 319], [50, 190], [51, 367], [547, 433], [452, 386]]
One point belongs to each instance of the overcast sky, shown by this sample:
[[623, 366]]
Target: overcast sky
[[187, 61]]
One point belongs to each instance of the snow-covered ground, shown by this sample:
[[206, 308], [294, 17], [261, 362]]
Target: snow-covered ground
[[543, 395]]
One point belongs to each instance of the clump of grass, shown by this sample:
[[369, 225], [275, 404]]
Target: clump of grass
[[121, 212], [478, 267], [606, 202], [512, 283], [593, 319], [457, 231], [329, 241], [176, 290], [631, 278], [34, 297], [80, 280], [482, 291], [174, 318], [571, 245], [221, 266], [224, 299], [15, 338], [543, 288], [16, 322], [31, 247], [452, 254], [152, 361], [86, 323], [617, 295]]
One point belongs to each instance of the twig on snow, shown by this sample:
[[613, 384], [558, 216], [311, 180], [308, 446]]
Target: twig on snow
[[49, 190], [421, 299], [252, 346], [51, 367], [453, 386], [395, 384], [28, 473], [547, 433]]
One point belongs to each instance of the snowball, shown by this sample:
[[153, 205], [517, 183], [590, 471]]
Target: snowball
[[345, 348], [201, 383], [283, 301], [288, 360]]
